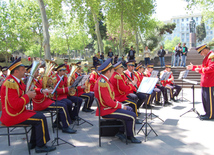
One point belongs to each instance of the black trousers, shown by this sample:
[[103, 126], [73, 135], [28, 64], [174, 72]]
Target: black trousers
[[138, 97], [208, 100], [89, 100], [63, 114], [132, 104], [39, 133], [70, 107], [78, 102], [171, 88]]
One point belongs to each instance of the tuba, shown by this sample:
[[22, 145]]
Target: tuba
[[71, 79], [35, 66], [49, 65]]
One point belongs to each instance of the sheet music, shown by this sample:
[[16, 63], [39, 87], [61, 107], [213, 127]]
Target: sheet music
[[165, 76], [147, 85], [83, 80], [154, 74], [190, 81], [183, 74]]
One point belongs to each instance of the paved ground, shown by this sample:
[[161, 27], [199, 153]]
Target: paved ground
[[176, 135]]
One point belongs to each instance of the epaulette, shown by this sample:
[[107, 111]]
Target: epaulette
[[11, 84], [94, 72], [211, 56], [102, 83], [117, 76]]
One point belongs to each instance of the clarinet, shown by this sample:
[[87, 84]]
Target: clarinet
[[130, 80]]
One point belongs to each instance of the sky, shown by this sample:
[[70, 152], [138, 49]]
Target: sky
[[166, 9]]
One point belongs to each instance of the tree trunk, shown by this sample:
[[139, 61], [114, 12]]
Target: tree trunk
[[121, 31], [40, 53], [97, 30], [137, 43], [45, 30]]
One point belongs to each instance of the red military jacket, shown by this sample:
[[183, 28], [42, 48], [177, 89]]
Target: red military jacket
[[40, 102], [67, 69], [93, 79], [207, 70], [62, 90], [104, 92], [126, 79], [121, 89], [139, 77], [13, 102], [147, 73], [80, 90], [165, 82]]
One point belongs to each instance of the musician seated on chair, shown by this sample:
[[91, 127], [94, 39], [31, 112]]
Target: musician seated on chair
[[93, 78], [156, 92], [138, 97], [139, 73], [169, 83], [42, 102], [109, 106], [121, 90], [84, 92], [14, 111]]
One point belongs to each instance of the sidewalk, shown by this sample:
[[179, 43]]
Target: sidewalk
[[176, 135]]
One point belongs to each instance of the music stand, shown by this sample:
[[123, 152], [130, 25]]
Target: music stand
[[182, 76], [57, 138], [79, 82], [147, 86], [193, 100]]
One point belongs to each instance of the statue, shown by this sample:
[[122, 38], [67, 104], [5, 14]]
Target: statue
[[192, 25]]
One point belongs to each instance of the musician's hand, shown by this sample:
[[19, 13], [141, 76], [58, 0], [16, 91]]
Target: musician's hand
[[189, 67], [197, 70], [47, 91], [31, 94], [71, 89]]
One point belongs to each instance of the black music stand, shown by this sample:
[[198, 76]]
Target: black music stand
[[79, 82], [57, 138], [182, 76], [193, 100], [149, 84]]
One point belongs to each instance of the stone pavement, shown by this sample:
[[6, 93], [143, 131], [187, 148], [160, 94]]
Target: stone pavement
[[176, 135]]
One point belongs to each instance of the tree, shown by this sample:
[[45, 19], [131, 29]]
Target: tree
[[169, 45], [200, 31]]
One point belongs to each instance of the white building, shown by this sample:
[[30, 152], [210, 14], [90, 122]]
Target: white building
[[182, 28]]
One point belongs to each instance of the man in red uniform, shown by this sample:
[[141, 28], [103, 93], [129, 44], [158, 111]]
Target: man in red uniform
[[109, 106], [93, 78], [139, 73], [43, 102], [14, 111], [130, 73], [67, 66], [168, 84], [121, 90], [207, 80], [85, 95]]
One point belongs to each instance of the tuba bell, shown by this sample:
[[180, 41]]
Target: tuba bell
[[71, 79], [35, 66], [49, 65]]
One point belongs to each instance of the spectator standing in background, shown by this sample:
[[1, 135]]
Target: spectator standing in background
[[184, 55], [95, 61], [161, 54], [98, 56], [123, 62], [110, 55], [102, 56], [178, 50], [147, 55], [131, 54]]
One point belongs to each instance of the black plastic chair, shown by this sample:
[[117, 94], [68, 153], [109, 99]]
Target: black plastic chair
[[109, 123], [11, 132]]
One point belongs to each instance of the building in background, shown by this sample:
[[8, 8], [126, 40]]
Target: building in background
[[182, 28]]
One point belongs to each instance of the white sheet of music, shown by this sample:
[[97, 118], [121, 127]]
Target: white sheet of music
[[154, 74], [82, 82], [183, 74], [147, 85], [165, 76]]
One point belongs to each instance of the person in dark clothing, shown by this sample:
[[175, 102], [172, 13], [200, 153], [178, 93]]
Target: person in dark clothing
[[115, 59], [123, 62], [110, 55], [178, 50], [161, 54], [131, 54], [102, 56], [184, 55], [95, 61]]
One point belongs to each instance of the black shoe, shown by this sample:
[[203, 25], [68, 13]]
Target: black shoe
[[202, 115], [121, 136], [173, 100], [90, 109], [167, 103], [148, 106], [55, 125], [68, 130], [86, 110], [158, 103], [31, 145], [77, 118], [134, 140], [137, 121], [45, 148], [206, 118]]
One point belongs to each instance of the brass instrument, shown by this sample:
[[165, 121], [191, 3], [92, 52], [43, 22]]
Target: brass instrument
[[130, 80], [71, 79], [87, 86], [33, 70]]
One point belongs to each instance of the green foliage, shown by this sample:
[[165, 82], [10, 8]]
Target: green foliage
[[170, 45], [201, 32]]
